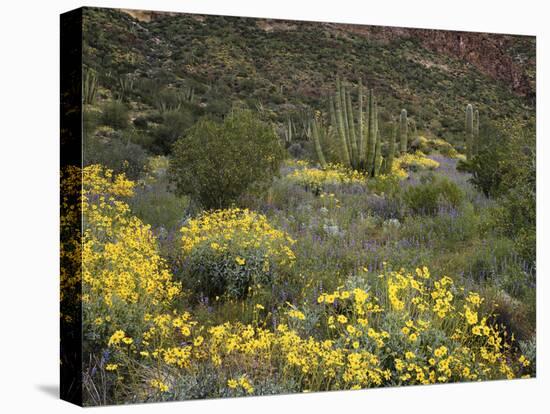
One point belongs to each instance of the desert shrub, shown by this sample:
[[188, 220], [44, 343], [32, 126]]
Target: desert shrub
[[155, 203], [445, 229], [174, 125], [431, 194], [387, 185], [215, 163], [505, 168], [121, 157], [115, 115], [218, 108], [140, 122], [226, 252], [158, 206], [91, 118], [296, 150], [511, 313]]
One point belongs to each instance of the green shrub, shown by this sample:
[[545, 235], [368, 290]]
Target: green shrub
[[232, 252], [215, 163], [158, 206], [115, 115], [174, 125], [121, 157], [140, 122], [505, 168], [431, 194]]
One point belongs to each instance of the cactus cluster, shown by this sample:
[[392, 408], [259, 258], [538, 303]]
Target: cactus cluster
[[89, 86], [173, 100], [356, 131], [125, 87]]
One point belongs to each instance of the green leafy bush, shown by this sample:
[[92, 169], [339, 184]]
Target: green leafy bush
[[505, 168], [215, 163], [232, 252], [431, 194], [121, 157], [174, 125], [115, 115]]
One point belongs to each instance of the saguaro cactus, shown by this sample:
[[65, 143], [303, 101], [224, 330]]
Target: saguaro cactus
[[403, 131], [469, 131]]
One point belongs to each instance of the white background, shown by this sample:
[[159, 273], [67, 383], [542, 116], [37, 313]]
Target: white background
[[29, 115]]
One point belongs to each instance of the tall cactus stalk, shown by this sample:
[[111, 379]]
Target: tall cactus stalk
[[89, 87], [352, 137], [341, 95], [476, 131], [341, 126], [391, 150], [125, 87], [288, 131], [378, 154], [403, 131], [469, 131], [371, 133], [360, 143], [317, 141]]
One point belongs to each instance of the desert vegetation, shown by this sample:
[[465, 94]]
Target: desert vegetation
[[337, 225]]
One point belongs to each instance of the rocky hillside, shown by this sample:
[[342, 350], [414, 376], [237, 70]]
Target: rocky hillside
[[288, 68]]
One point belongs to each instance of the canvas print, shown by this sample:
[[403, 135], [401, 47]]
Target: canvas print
[[253, 206]]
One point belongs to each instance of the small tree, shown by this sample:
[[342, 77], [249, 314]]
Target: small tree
[[215, 162]]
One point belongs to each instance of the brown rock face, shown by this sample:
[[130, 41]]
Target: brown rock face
[[489, 53]]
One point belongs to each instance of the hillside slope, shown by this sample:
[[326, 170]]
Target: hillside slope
[[288, 67]]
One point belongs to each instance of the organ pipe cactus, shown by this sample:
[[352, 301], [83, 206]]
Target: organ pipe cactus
[[403, 131], [371, 134], [125, 88], [89, 86], [361, 140], [391, 150], [355, 131], [340, 126], [476, 131], [317, 141], [377, 154], [351, 132]]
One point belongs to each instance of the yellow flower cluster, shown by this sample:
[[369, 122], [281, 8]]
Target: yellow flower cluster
[[316, 179], [352, 348], [237, 230], [416, 161], [123, 276], [243, 382]]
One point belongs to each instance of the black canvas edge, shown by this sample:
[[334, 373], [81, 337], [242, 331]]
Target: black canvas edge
[[71, 155]]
